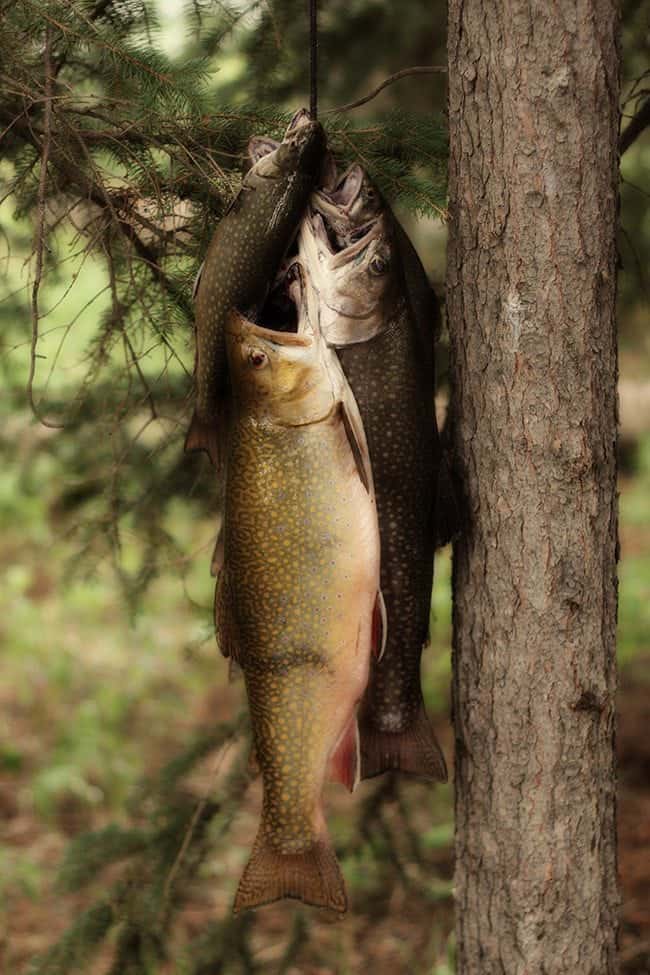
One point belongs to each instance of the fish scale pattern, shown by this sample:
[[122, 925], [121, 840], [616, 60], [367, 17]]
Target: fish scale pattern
[[392, 376], [295, 603]]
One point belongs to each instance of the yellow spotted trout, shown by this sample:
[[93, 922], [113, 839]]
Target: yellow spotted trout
[[297, 603], [377, 309], [242, 260]]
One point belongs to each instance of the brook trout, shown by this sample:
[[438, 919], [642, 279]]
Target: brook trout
[[242, 261], [385, 343], [297, 598]]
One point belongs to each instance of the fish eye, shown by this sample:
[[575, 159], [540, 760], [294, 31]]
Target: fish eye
[[257, 358], [378, 265]]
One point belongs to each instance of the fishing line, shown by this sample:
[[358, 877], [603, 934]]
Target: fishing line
[[313, 59]]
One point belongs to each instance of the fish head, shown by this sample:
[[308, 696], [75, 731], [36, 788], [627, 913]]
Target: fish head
[[299, 154], [352, 202], [358, 285], [280, 376]]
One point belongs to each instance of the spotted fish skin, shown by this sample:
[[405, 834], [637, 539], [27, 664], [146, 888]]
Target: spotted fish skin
[[295, 600], [241, 262], [387, 354]]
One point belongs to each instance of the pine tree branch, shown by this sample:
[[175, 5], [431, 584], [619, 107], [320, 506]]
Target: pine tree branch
[[639, 123], [404, 73], [187, 839], [39, 236]]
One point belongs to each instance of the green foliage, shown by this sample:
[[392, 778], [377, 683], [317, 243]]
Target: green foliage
[[144, 153], [157, 861], [79, 943]]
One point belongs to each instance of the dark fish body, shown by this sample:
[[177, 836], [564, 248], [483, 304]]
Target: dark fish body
[[296, 600], [388, 359], [242, 261]]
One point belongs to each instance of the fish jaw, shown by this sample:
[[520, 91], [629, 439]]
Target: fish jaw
[[277, 376]]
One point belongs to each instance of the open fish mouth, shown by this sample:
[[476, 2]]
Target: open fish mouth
[[349, 206], [284, 305], [343, 250]]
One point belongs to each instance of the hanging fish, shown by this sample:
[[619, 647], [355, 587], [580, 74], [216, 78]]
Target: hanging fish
[[385, 344], [243, 259], [297, 603]]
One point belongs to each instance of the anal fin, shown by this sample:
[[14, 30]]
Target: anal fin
[[312, 876], [345, 760], [224, 620]]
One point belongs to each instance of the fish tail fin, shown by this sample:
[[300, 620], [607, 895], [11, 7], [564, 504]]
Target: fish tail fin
[[415, 749], [312, 876], [202, 435]]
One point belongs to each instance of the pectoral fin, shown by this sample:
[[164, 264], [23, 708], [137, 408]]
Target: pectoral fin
[[361, 458], [216, 563], [209, 437], [379, 627], [197, 281], [225, 623]]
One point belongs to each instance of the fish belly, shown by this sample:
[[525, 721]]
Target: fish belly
[[302, 565]]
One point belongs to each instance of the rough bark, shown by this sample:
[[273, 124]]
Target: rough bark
[[533, 116]]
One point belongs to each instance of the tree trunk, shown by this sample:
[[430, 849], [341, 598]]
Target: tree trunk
[[531, 281]]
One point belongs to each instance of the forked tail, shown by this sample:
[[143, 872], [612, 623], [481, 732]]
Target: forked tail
[[312, 876], [415, 749]]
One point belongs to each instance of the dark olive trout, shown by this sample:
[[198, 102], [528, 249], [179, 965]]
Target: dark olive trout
[[377, 309], [242, 261], [296, 601]]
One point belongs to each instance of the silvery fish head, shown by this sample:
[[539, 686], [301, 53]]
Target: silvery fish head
[[357, 285], [348, 204]]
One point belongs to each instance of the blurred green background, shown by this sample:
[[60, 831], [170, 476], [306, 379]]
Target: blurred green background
[[109, 666]]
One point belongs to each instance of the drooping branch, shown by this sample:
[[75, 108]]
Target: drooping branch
[[404, 73], [39, 235], [635, 127]]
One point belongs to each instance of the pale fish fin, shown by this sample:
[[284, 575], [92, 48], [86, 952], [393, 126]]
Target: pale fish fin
[[379, 627], [234, 670], [252, 765], [360, 456], [225, 624], [216, 563], [259, 146], [345, 760], [414, 750], [197, 281], [208, 437], [312, 876]]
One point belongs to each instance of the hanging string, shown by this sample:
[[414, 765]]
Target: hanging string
[[313, 60]]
